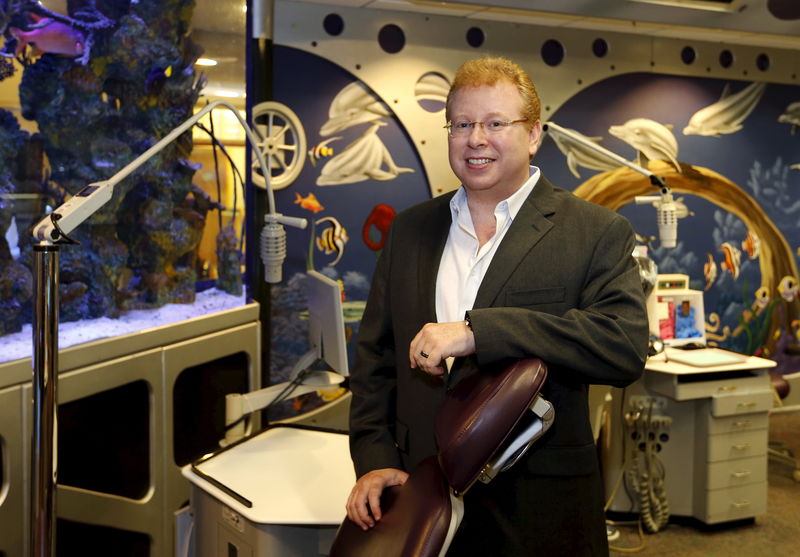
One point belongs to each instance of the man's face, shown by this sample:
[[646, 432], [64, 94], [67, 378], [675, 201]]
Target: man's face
[[491, 161]]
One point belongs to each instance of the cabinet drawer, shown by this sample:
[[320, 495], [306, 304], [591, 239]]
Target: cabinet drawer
[[728, 446], [723, 505], [733, 424], [735, 403], [732, 473]]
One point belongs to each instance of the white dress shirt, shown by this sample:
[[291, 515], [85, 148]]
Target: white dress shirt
[[464, 262]]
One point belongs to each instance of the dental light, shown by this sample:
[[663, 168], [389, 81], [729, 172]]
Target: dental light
[[50, 233], [667, 213]]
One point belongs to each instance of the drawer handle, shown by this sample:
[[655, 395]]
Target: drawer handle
[[741, 474], [742, 446], [743, 423], [727, 388], [740, 504], [747, 404]]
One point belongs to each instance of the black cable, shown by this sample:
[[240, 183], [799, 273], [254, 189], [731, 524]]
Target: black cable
[[236, 174]]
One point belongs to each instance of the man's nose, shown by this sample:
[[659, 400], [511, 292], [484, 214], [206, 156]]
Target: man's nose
[[477, 135]]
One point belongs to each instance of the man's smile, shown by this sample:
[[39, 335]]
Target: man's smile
[[479, 162]]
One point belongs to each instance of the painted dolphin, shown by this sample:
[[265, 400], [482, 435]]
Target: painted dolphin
[[652, 140], [580, 155], [791, 115], [354, 104], [727, 114]]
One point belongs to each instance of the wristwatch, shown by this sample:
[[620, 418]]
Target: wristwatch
[[468, 321]]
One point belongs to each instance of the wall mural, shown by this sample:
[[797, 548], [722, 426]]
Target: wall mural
[[727, 148], [361, 169]]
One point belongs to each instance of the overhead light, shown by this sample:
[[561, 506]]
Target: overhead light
[[205, 62], [711, 5], [227, 93]]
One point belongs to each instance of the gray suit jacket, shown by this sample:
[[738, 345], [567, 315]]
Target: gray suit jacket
[[562, 286]]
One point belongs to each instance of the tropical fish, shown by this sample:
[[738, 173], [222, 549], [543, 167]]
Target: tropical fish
[[156, 79], [787, 288], [727, 114], [333, 239], [791, 115], [733, 259], [762, 298], [381, 218], [321, 150], [710, 271], [49, 35], [580, 155], [309, 202], [652, 140], [751, 244]]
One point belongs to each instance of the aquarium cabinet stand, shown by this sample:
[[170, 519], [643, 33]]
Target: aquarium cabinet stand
[[132, 410]]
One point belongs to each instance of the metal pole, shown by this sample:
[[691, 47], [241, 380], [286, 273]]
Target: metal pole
[[45, 402]]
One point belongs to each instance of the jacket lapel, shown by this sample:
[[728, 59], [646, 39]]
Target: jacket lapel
[[530, 225], [432, 241]]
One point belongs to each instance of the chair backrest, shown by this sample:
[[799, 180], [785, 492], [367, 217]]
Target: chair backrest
[[480, 416]]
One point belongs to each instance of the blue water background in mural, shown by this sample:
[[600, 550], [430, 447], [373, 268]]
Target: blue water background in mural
[[757, 158]]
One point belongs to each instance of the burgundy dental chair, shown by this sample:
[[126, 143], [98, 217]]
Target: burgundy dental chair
[[486, 423]]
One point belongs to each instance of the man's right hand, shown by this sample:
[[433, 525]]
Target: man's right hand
[[366, 495]]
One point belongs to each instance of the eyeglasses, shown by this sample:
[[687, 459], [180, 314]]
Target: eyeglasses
[[463, 127]]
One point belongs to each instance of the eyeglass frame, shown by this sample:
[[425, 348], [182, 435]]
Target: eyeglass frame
[[506, 123]]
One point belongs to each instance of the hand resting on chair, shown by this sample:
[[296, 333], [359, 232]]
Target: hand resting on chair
[[366, 495]]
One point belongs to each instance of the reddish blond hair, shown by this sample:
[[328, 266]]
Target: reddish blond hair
[[490, 70]]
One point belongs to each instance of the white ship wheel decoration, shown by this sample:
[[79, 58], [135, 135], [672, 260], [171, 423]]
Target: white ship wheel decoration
[[282, 141]]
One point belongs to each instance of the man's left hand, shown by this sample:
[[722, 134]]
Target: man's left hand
[[437, 341]]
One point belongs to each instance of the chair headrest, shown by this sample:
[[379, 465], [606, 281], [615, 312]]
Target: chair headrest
[[480, 414]]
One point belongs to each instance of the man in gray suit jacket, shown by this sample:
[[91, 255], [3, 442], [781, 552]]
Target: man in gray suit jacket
[[507, 267]]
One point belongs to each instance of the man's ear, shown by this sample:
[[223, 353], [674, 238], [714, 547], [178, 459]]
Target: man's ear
[[535, 136]]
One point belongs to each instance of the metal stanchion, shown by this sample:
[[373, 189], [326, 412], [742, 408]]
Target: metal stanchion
[[45, 402]]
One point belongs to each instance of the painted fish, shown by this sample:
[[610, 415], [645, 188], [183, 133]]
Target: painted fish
[[333, 239], [787, 288], [751, 245], [791, 115], [309, 202], [710, 271], [380, 217], [49, 35], [321, 150], [580, 155], [733, 259], [727, 114], [652, 140], [762, 298]]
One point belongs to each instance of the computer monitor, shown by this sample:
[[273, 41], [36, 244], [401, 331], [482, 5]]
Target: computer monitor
[[326, 321]]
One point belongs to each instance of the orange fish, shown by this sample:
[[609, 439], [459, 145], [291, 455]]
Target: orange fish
[[733, 259], [710, 271], [309, 202], [751, 244]]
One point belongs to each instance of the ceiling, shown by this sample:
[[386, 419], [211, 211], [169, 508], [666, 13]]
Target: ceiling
[[219, 25]]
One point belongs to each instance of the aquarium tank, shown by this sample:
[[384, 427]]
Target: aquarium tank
[[85, 87]]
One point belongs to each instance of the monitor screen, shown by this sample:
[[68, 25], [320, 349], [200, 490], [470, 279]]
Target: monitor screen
[[326, 321]]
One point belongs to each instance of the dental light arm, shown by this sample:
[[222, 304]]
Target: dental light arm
[[238, 406], [667, 213], [55, 227]]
